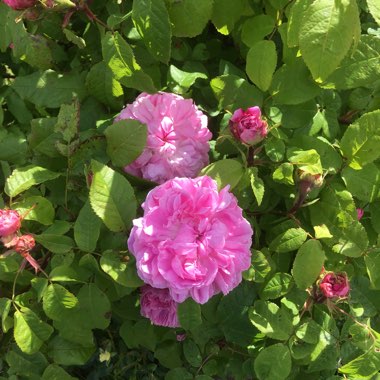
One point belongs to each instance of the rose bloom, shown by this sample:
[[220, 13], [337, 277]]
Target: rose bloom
[[177, 143], [360, 213], [335, 285], [247, 126], [20, 4], [192, 239], [10, 222], [158, 306]]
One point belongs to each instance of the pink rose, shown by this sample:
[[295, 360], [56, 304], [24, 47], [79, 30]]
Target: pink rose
[[360, 213], [192, 239], [159, 306], [20, 4], [178, 136], [10, 222], [247, 126], [335, 285]]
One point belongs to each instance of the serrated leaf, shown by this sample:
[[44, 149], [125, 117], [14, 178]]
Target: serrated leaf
[[54, 372], [372, 262], [308, 161], [360, 142], [55, 243], [126, 140], [374, 9], [87, 228], [225, 172], [261, 63], [326, 35], [257, 185], [29, 331], [112, 197], [294, 21], [22, 179], [183, 79], [68, 120], [189, 17], [192, 353], [268, 369], [288, 241], [308, 263], [284, 174], [119, 57], [5, 307], [256, 28], [189, 314], [277, 286], [151, 20], [36, 208], [226, 14], [364, 366], [42, 138], [57, 300]]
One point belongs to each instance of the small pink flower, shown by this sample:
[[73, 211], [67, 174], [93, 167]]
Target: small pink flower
[[159, 306], [248, 126], [335, 285], [20, 4], [192, 239], [360, 213], [177, 143], [10, 222]]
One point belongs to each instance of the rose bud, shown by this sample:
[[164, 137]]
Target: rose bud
[[360, 213], [20, 4], [247, 126], [24, 243], [335, 285], [10, 222]]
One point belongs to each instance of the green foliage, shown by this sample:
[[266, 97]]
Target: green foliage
[[313, 68]]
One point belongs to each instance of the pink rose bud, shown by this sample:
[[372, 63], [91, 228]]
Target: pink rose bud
[[180, 337], [335, 285], [248, 126], [24, 243], [10, 222], [311, 180], [360, 212], [159, 306], [20, 4]]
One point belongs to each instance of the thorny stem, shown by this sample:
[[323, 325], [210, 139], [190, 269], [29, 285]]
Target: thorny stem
[[250, 156]]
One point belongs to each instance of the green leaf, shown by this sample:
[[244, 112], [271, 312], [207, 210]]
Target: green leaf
[[189, 314], [294, 21], [364, 366], [308, 263], [68, 120], [119, 57], [326, 35], [168, 354], [261, 63], [54, 372], [277, 286], [87, 229], [151, 20], [13, 145], [225, 172], [120, 271], [271, 320], [275, 149], [308, 161], [192, 353], [189, 17], [22, 179], [179, 373], [256, 28], [69, 353], [360, 142], [261, 266], [292, 84], [226, 14], [363, 184], [57, 300], [288, 241], [5, 307], [374, 8], [126, 140], [36, 208], [50, 89], [112, 197], [55, 243], [183, 79], [284, 174], [72, 37], [362, 68], [42, 138], [101, 84], [29, 331], [372, 262], [233, 92], [273, 363], [257, 185]]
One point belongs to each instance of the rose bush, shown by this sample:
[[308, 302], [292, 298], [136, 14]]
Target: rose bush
[[251, 115]]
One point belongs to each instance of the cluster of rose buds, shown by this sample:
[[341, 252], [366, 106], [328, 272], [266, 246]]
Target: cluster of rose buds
[[10, 224]]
